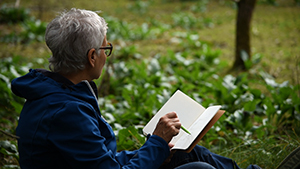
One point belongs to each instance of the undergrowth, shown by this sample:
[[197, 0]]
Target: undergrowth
[[259, 126]]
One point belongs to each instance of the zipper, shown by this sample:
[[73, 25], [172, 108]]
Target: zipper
[[91, 89]]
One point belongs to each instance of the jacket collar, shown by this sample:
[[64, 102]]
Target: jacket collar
[[66, 82]]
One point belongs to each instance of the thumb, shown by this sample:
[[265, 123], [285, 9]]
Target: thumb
[[171, 145]]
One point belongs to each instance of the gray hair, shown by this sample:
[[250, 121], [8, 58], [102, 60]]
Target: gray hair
[[70, 36]]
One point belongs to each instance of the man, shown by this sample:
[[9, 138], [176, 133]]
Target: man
[[61, 125]]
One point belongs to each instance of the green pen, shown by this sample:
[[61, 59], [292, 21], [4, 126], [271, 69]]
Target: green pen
[[184, 129]]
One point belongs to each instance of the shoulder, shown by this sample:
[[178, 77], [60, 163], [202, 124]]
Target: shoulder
[[76, 108], [75, 118]]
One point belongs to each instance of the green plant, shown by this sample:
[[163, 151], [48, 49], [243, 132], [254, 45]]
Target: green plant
[[271, 2], [140, 87], [130, 139], [122, 30], [31, 30], [186, 20], [262, 116], [10, 105], [10, 153], [139, 6], [284, 107], [189, 21], [200, 6], [13, 15], [249, 63]]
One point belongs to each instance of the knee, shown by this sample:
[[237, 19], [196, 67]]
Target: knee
[[196, 165], [202, 149]]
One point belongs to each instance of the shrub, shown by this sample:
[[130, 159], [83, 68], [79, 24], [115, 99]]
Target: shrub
[[13, 15]]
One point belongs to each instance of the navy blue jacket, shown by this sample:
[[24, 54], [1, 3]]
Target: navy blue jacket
[[61, 126]]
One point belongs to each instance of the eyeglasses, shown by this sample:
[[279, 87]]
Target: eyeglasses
[[108, 49]]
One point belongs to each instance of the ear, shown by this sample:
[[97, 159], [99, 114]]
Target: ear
[[91, 57]]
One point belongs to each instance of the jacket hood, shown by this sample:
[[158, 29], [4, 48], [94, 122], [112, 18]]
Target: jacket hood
[[39, 83]]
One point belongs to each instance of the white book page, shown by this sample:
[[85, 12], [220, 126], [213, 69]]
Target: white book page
[[186, 109], [186, 140]]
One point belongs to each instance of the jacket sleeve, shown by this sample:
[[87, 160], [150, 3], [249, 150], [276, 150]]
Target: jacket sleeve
[[75, 133], [151, 155]]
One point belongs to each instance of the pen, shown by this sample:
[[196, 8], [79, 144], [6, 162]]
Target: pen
[[184, 129]]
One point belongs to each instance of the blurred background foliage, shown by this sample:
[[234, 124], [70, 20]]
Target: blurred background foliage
[[162, 46]]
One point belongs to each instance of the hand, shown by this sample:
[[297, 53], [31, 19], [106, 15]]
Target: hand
[[168, 126]]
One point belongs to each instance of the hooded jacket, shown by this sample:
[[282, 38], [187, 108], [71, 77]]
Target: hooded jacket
[[61, 126]]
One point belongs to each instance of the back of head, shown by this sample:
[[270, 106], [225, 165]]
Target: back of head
[[70, 36]]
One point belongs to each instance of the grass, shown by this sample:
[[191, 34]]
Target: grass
[[267, 153], [275, 35]]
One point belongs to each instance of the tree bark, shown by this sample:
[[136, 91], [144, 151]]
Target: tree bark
[[242, 43]]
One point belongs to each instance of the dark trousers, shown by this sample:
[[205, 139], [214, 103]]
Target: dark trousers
[[202, 154]]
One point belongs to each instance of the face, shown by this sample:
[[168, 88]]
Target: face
[[99, 62], [101, 58]]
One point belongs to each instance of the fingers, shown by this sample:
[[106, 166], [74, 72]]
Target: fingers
[[175, 120], [171, 115], [172, 122], [168, 126]]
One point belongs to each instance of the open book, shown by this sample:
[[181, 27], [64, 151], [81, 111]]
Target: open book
[[193, 116]]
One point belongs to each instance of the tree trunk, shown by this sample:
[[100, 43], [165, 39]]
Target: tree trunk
[[242, 43]]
